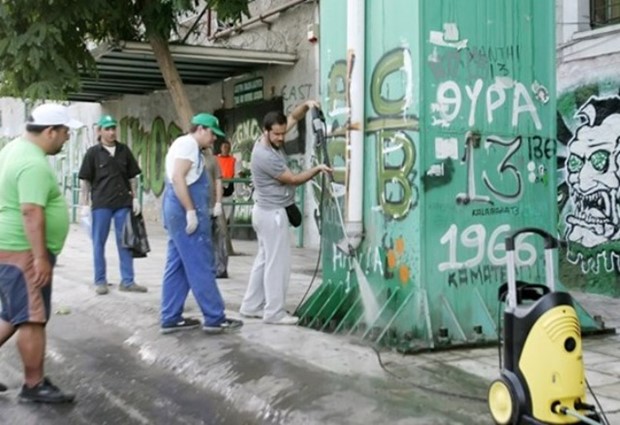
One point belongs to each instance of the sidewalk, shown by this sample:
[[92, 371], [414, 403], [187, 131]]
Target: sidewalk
[[294, 375]]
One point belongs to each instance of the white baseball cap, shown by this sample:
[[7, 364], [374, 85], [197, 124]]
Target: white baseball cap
[[53, 114]]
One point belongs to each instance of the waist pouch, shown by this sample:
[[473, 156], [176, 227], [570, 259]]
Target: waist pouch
[[294, 215]]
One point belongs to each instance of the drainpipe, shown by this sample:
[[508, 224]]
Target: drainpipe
[[354, 177]]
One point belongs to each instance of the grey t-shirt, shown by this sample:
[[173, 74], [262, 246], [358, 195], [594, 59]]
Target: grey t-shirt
[[267, 164]]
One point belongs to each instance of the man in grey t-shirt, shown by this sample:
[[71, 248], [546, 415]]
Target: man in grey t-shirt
[[274, 190]]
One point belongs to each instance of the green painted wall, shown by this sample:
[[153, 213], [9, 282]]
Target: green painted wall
[[490, 118], [459, 150]]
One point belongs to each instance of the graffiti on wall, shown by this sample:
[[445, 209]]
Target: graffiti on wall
[[242, 139], [488, 127], [292, 95], [588, 192], [150, 148], [593, 174], [453, 100], [389, 129]]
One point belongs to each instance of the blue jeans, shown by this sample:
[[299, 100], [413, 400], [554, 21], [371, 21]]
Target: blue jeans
[[102, 218], [189, 261]]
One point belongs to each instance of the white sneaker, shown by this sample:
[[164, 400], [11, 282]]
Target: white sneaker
[[286, 320], [250, 315]]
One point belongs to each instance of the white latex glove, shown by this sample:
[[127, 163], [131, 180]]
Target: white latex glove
[[136, 206], [192, 222], [217, 209], [85, 211]]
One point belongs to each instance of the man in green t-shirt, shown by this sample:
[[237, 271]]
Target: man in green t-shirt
[[34, 222]]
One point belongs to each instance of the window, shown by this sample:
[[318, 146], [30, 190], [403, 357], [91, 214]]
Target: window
[[604, 12]]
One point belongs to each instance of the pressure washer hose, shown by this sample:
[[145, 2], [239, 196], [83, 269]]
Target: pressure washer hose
[[570, 412]]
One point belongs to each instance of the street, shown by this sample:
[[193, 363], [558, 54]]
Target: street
[[112, 385], [110, 351]]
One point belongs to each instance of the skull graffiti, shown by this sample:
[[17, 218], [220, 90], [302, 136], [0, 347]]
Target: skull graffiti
[[593, 174]]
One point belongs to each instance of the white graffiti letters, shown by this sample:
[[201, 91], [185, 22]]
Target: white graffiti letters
[[449, 102], [475, 237]]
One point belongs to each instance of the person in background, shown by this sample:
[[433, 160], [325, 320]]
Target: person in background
[[218, 227], [108, 175], [274, 190], [227, 164], [189, 258], [34, 223]]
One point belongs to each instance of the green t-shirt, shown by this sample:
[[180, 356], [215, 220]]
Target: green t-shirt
[[26, 177]]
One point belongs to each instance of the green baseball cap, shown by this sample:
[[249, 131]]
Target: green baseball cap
[[106, 121], [209, 121]]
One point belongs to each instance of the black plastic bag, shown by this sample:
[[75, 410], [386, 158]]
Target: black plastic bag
[[229, 189], [294, 215], [134, 236]]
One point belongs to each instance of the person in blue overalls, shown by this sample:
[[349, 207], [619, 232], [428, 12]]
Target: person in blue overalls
[[190, 261]]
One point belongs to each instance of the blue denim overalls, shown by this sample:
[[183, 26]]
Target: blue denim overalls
[[190, 261]]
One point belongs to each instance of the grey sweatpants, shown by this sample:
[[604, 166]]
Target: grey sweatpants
[[271, 271]]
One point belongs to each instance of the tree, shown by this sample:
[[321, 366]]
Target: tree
[[44, 44]]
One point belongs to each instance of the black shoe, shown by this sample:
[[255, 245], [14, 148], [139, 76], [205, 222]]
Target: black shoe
[[225, 326], [3, 387], [183, 325], [45, 392], [223, 275]]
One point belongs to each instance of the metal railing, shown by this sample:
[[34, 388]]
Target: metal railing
[[72, 183], [242, 198]]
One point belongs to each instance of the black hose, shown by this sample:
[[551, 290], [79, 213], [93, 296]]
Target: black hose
[[424, 387], [598, 404]]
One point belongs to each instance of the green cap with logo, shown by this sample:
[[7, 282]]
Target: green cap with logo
[[106, 121], [209, 121]]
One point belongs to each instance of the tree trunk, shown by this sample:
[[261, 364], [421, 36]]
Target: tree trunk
[[169, 71]]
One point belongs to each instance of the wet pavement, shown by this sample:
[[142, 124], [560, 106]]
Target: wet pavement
[[113, 386], [263, 374]]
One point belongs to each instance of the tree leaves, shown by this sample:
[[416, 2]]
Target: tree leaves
[[44, 43], [230, 10]]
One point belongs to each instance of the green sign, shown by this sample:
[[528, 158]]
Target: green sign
[[248, 91]]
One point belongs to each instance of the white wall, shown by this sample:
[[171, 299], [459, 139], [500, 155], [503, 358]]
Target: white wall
[[591, 52]]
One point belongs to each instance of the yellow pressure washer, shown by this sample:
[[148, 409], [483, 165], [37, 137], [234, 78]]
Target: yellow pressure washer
[[542, 380]]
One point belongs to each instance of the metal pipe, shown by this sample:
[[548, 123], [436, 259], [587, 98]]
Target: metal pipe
[[195, 24], [354, 178], [227, 32]]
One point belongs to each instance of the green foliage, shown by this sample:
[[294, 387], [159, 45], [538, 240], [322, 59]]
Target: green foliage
[[44, 44], [230, 10]]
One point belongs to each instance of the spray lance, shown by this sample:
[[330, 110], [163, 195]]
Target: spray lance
[[319, 128], [320, 132]]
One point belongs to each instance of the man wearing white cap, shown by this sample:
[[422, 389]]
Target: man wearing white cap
[[34, 222]]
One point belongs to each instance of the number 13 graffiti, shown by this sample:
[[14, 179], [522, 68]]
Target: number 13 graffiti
[[505, 167]]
